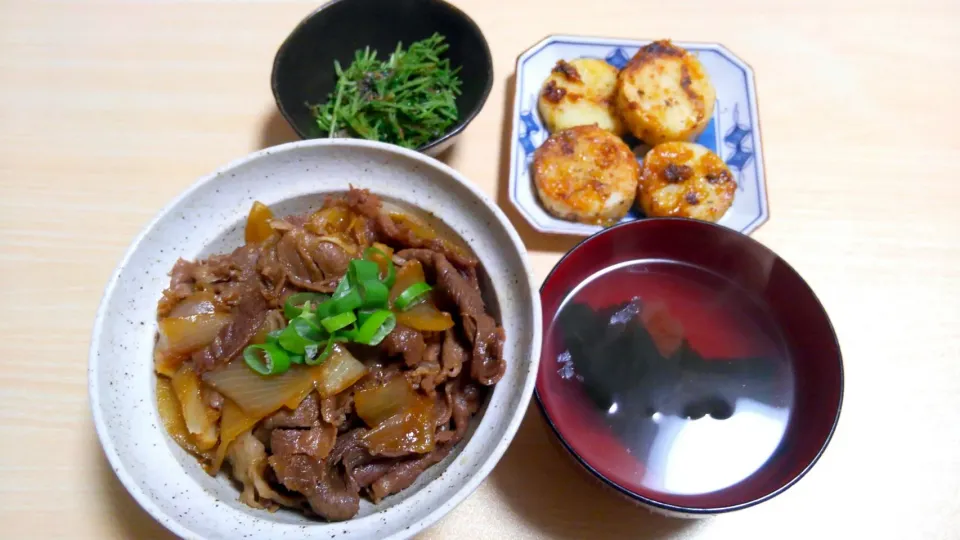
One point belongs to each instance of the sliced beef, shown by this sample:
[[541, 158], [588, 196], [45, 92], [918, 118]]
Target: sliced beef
[[453, 355], [181, 286], [304, 416], [328, 484], [330, 258], [457, 288], [273, 275], [426, 374], [365, 230], [472, 278], [221, 268], [379, 374], [335, 409], [248, 460], [368, 473], [424, 256], [464, 401], [242, 265], [248, 316], [235, 282], [363, 202], [273, 320], [407, 342], [298, 270], [309, 262], [368, 205], [462, 289], [351, 452], [334, 498], [404, 473], [325, 488], [316, 442], [486, 363], [442, 409], [297, 472], [320, 254], [230, 294]]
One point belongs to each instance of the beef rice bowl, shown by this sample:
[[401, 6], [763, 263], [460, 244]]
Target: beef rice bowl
[[336, 355]]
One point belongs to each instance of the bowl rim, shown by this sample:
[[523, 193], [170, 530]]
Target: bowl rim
[[453, 132], [512, 420], [653, 503]]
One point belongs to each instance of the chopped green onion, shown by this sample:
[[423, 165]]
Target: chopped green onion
[[375, 327], [307, 328], [308, 315], [361, 271], [342, 288], [364, 314], [349, 302], [298, 335], [321, 358], [375, 294], [310, 351], [391, 276], [294, 305], [325, 309], [338, 322], [357, 311], [412, 295], [274, 361]]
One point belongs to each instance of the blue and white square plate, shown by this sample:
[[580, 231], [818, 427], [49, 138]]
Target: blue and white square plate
[[733, 132]]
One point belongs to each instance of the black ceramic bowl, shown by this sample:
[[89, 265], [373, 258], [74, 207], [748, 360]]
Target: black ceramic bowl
[[303, 68]]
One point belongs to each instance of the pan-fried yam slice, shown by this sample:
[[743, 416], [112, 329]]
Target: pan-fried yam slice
[[685, 180], [664, 94], [578, 93], [586, 174]]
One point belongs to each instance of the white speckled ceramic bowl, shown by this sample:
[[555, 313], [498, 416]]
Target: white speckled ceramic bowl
[[208, 218]]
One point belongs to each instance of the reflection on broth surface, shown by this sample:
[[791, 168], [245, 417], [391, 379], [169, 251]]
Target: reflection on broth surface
[[695, 383]]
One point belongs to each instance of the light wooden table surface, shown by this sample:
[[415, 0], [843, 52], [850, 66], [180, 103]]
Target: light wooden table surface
[[107, 111]]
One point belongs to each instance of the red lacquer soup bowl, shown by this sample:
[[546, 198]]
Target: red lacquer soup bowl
[[687, 366]]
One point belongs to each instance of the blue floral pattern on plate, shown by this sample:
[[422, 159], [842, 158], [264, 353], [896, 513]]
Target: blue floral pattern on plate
[[733, 132]]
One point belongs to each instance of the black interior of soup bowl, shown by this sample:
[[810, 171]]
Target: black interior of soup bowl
[[303, 70]]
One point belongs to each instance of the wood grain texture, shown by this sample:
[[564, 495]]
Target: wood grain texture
[[107, 110]]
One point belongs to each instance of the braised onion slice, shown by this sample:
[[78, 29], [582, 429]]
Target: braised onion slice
[[200, 419], [425, 317], [341, 243], [330, 220], [376, 404], [409, 274], [187, 334], [258, 223], [233, 423], [258, 395], [172, 416], [339, 372], [179, 336], [197, 303], [408, 431]]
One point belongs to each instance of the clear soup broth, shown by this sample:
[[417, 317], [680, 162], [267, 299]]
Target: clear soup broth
[[683, 366]]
